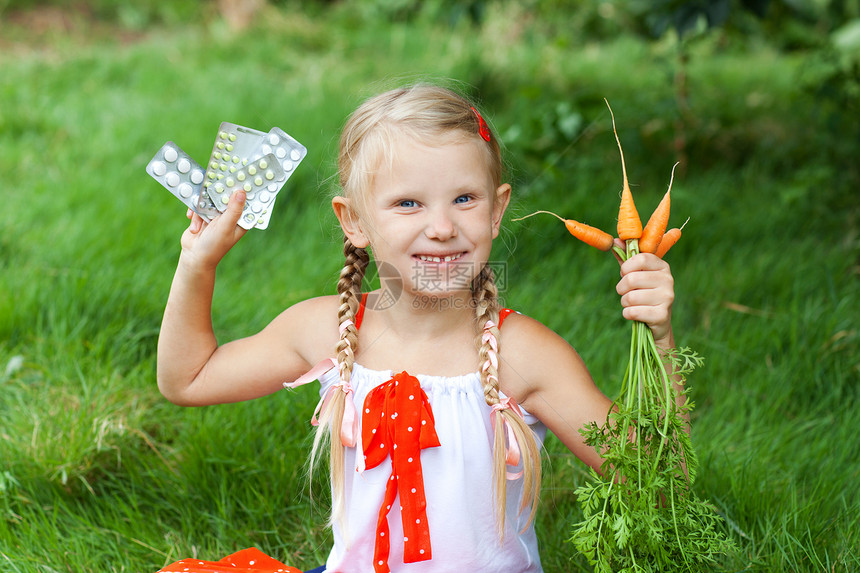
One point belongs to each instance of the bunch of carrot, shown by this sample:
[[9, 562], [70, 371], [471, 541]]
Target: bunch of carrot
[[653, 238], [640, 513]]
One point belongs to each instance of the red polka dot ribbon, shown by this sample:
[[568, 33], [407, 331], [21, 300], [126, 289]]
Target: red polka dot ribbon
[[397, 421]]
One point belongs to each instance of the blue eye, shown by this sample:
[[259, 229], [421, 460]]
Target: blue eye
[[463, 199], [407, 204]]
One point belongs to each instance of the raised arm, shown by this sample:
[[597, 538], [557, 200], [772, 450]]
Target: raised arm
[[192, 368]]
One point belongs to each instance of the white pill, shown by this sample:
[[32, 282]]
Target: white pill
[[256, 207], [185, 190], [274, 139], [273, 187], [170, 155], [159, 168], [288, 165], [173, 179], [197, 177], [184, 165], [264, 196], [280, 153], [266, 149], [295, 155]]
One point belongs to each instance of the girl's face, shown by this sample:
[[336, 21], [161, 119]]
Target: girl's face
[[432, 214]]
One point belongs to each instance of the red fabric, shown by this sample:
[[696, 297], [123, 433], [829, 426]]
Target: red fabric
[[250, 560], [397, 421], [503, 314], [360, 314]]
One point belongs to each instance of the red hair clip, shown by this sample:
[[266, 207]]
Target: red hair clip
[[483, 129]]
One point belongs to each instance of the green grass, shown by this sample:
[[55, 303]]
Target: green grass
[[99, 472]]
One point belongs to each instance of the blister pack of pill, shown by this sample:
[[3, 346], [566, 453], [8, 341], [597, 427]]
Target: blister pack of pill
[[182, 176], [286, 149], [234, 146], [242, 158], [259, 179]]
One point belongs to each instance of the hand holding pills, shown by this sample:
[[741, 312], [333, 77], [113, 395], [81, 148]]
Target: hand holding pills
[[243, 159], [204, 243]]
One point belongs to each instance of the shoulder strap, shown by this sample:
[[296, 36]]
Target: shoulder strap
[[503, 314], [360, 314]]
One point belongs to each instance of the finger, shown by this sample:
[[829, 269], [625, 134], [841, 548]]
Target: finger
[[642, 279], [196, 223], [657, 318], [188, 213], [657, 296], [643, 262], [234, 208]]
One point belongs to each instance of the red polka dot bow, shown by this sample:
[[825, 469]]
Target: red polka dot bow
[[397, 421]]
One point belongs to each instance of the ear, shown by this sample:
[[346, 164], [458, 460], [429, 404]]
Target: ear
[[503, 197], [350, 222]]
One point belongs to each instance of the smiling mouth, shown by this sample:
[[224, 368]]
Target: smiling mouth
[[439, 259]]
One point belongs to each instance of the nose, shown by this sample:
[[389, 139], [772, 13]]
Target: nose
[[440, 226]]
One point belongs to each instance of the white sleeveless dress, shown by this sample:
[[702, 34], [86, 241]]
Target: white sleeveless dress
[[457, 479]]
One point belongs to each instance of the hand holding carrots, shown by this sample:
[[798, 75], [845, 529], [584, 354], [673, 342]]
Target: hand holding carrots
[[646, 285], [647, 293]]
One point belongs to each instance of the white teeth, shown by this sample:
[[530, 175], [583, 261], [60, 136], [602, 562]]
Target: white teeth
[[446, 259]]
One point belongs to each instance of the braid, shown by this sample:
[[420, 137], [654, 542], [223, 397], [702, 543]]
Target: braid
[[485, 298], [349, 289], [331, 418]]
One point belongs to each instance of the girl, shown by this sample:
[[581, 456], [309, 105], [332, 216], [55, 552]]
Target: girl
[[435, 431]]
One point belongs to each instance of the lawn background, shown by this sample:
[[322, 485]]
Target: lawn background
[[99, 472]]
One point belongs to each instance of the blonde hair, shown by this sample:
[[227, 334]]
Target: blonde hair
[[431, 114]]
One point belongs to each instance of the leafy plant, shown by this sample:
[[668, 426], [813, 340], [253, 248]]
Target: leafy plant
[[640, 513]]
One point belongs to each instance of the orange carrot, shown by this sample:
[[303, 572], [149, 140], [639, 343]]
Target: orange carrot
[[585, 233], [589, 235], [657, 223], [669, 239], [629, 225]]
